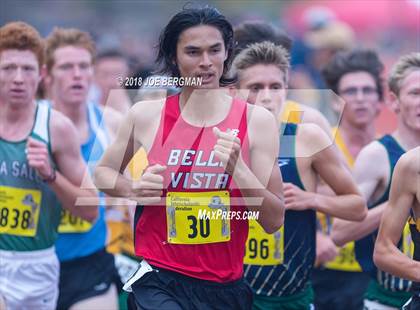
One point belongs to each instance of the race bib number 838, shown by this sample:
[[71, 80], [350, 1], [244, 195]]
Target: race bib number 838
[[19, 211]]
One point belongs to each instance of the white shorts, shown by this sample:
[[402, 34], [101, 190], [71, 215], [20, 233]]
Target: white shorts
[[374, 305], [29, 280]]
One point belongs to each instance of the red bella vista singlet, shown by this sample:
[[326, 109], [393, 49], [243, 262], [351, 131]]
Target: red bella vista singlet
[[173, 236]]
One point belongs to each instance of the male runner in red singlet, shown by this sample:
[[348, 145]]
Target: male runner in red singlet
[[208, 153]]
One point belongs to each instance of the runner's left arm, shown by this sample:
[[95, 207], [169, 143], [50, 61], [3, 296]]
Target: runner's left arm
[[261, 184], [73, 180]]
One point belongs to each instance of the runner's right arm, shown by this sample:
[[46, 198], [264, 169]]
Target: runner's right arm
[[113, 119], [109, 173], [368, 177]]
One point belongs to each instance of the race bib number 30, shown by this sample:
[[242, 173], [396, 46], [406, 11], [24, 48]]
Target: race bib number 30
[[264, 249], [19, 211], [192, 217], [72, 224]]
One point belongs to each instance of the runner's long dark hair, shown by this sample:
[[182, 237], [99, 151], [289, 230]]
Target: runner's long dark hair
[[183, 20]]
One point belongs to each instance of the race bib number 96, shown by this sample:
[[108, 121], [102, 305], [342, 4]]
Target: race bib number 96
[[186, 226], [19, 211], [264, 249]]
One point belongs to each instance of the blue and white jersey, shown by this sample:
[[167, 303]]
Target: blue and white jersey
[[78, 238]]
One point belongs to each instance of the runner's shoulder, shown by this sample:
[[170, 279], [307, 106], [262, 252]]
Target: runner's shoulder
[[60, 123], [409, 161], [145, 112], [313, 137], [112, 118], [262, 126], [312, 131], [373, 159], [313, 116], [374, 150], [258, 114], [61, 126]]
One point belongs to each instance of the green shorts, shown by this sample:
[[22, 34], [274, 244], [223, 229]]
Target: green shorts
[[375, 292], [299, 301]]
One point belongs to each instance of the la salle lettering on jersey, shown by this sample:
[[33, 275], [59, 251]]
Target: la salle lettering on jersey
[[18, 169], [196, 180]]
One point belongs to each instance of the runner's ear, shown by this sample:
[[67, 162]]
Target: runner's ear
[[394, 102], [337, 103], [44, 76]]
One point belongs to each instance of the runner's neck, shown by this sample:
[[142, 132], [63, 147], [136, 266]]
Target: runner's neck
[[204, 107], [77, 113], [16, 121], [406, 137], [356, 138]]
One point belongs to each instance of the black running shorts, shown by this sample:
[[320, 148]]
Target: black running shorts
[[85, 277], [162, 289]]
